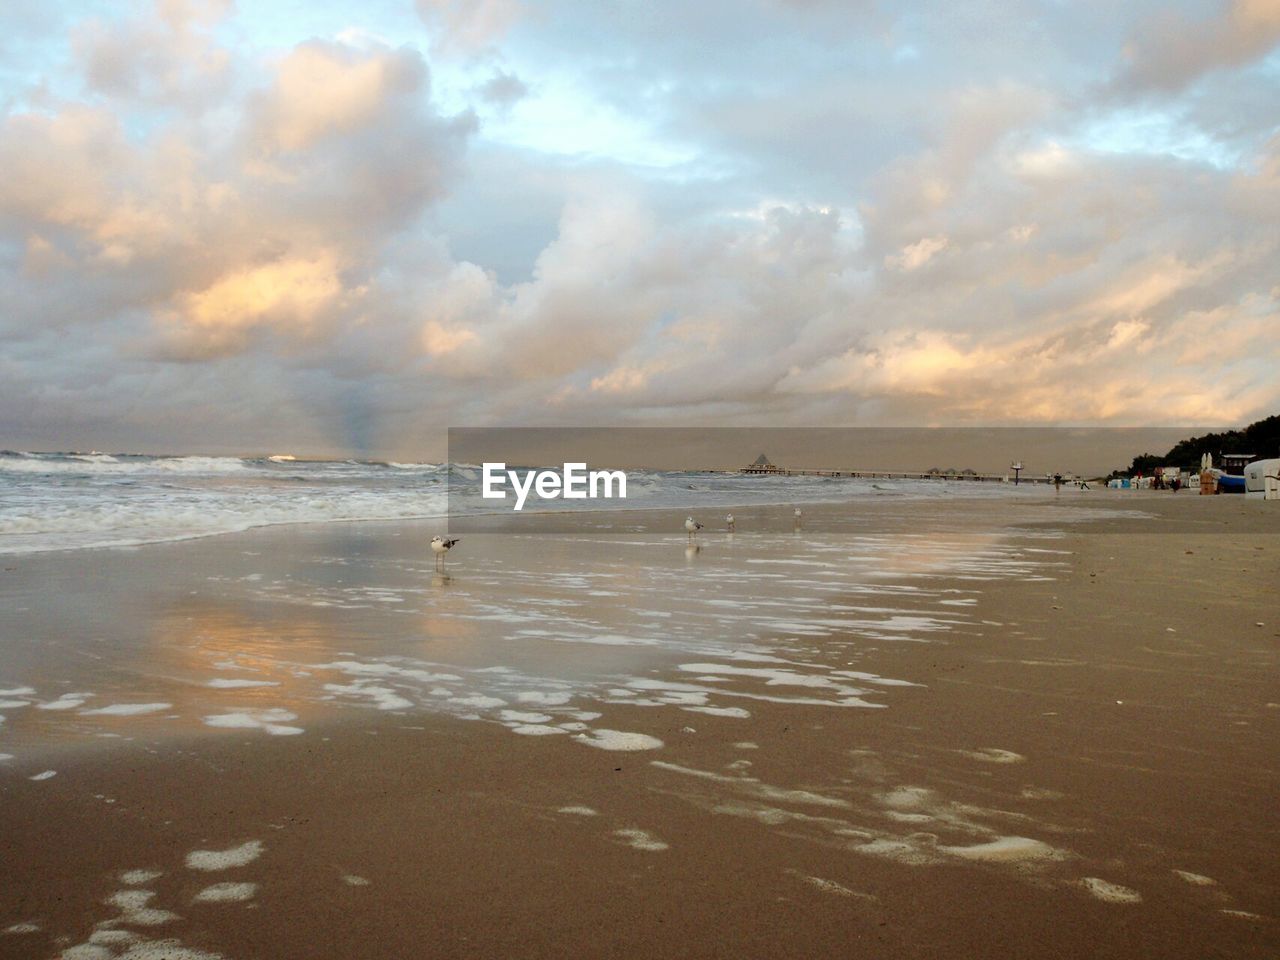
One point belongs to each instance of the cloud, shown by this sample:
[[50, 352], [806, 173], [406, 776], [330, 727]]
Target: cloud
[[292, 293], [504, 90], [917, 254], [167, 56], [328, 90], [469, 26], [1169, 50]]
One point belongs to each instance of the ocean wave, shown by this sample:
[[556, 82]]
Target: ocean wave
[[85, 523], [95, 463]]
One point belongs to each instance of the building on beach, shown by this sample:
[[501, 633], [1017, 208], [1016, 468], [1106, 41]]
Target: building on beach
[[762, 464]]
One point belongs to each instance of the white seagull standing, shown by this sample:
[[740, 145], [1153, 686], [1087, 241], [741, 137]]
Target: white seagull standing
[[692, 525], [798, 514], [729, 521], [440, 546]]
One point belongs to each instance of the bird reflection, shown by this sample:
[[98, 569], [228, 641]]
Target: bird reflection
[[691, 551]]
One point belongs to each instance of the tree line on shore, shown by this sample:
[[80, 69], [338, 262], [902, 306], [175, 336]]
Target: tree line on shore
[[1261, 438]]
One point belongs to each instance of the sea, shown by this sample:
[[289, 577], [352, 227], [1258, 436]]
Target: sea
[[75, 500]]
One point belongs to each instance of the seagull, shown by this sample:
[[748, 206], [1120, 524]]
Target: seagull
[[729, 521], [692, 525], [440, 546], [798, 514]]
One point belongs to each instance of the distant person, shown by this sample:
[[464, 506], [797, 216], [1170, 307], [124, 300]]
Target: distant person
[[1057, 482]]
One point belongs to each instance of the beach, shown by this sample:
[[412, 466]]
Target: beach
[[978, 728]]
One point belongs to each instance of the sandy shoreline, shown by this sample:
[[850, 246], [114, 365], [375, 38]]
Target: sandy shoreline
[[1090, 712]]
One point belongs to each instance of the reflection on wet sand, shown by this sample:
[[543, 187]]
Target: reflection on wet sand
[[276, 641]]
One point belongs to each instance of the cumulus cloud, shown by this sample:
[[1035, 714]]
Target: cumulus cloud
[[1169, 50]]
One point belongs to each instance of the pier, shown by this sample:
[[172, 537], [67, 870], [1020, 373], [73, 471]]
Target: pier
[[762, 466]]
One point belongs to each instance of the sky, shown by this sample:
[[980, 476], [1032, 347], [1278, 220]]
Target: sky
[[338, 229]]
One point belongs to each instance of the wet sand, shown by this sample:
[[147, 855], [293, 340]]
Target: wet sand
[[969, 730]]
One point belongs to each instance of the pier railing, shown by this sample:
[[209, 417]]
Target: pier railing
[[881, 474]]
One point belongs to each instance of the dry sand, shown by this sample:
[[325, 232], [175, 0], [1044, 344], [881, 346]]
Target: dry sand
[[1084, 766]]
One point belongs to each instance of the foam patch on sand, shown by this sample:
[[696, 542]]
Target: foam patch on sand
[[618, 740], [579, 811], [516, 716], [843, 695], [132, 905], [86, 951], [44, 776], [535, 729], [210, 860], [227, 893], [831, 887], [383, 698], [993, 755], [379, 669], [273, 721], [479, 702], [111, 937], [1110, 892], [109, 942], [752, 786], [907, 798], [126, 710], [1041, 793], [736, 712], [1196, 879], [68, 701], [1005, 850], [639, 839], [229, 683], [24, 927], [352, 880], [914, 850], [555, 699], [136, 878]]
